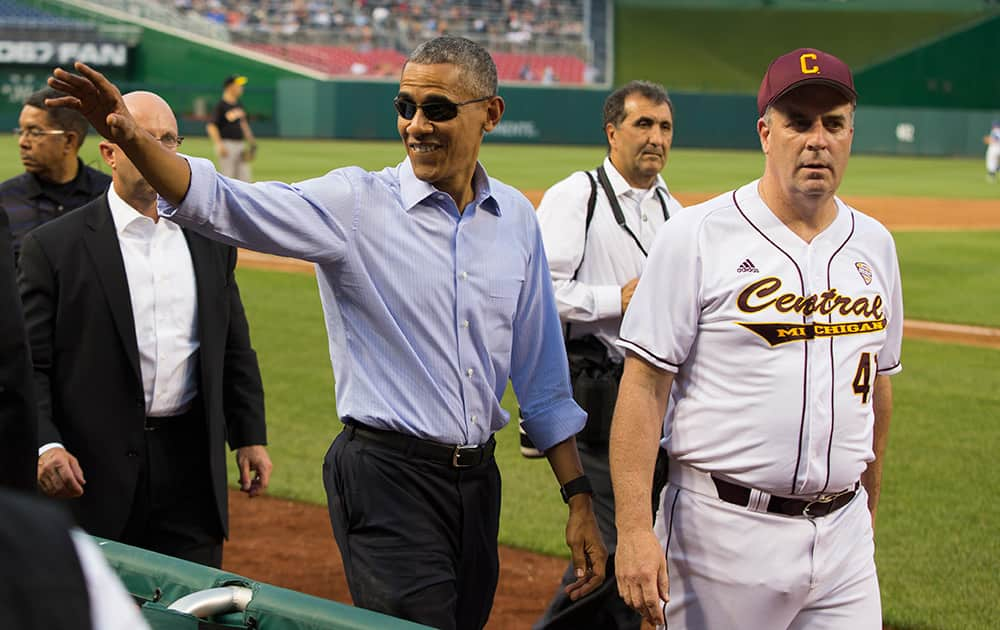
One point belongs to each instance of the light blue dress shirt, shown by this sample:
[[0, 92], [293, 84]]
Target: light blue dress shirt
[[429, 311]]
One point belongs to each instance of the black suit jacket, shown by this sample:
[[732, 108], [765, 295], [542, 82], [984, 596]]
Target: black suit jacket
[[88, 382], [18, 415]]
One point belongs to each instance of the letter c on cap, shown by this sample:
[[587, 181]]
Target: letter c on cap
[[807, 69]]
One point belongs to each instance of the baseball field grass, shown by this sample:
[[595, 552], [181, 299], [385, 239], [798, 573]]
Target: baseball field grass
[[936, 538], [538, 167], [937, 547]]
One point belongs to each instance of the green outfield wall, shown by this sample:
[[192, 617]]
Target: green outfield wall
[[941, 55], [359, 110], [956, 70]]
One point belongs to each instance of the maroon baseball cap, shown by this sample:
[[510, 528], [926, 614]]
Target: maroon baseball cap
[[803, 67]]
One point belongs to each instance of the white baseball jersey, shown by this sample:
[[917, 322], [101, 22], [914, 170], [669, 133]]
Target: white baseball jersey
[[775, 342], [993, 151], [592, 301]]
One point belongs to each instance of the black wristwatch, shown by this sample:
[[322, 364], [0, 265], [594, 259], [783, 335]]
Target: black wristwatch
[[576, 486]]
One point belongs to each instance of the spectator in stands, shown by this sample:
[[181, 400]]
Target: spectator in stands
[[53, 576], [55, 180], [229, 129], [436, 291]]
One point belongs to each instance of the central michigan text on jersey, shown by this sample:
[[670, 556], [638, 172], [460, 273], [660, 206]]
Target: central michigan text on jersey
[[838, 296]]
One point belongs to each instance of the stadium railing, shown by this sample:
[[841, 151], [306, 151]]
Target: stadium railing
[[157, 582]]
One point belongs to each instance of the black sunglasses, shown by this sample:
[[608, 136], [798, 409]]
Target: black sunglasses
[[435, 111]]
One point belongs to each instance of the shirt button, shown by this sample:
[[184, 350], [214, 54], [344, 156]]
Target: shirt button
[[469, 372], [464, 275], [465, 323], [645, 218], [474, 418]]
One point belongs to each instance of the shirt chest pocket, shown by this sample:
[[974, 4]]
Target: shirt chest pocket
[[503, 294], [501, 307]]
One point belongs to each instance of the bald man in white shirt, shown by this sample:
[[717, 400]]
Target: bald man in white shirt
[[143, 365]]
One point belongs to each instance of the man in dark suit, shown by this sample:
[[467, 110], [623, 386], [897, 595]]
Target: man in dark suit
[[143, 365], [18, 415]]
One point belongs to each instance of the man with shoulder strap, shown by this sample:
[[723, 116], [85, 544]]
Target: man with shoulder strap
[[597, 227]]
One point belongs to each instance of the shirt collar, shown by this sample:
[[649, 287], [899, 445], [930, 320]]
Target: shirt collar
[[37, 187], [122, 213], [413, 190], [749, 201], [622, 187]]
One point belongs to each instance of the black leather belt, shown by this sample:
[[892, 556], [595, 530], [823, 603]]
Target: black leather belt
[[825, 504], [158, 423], [454, 456]]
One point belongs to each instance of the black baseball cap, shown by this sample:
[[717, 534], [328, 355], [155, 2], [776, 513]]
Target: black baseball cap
[[238, 79], [803, 67]]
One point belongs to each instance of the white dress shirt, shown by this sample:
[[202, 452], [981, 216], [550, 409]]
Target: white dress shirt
[[163, 292], [592, 302]]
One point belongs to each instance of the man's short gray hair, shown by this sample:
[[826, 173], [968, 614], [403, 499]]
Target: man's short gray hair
[[479, 72], [614, 105]]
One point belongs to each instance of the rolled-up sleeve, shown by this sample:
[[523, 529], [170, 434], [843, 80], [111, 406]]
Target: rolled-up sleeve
[[310, 220], [539, 370]]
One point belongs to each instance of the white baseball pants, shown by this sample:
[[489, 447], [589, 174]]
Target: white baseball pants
[[730, 567]]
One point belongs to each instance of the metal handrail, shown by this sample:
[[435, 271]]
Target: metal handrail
[[214, 601]]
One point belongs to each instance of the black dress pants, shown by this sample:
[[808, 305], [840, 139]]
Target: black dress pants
[[174, 510], [418, 537], [611, 612]]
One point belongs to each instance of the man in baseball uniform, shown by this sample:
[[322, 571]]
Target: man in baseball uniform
[[597, 228], [775, 313], [992, 142]]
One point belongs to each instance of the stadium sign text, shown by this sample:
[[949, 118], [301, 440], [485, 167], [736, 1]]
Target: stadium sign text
[[45, 53], [517, 129]]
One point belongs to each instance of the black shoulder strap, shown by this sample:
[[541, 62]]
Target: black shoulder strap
[[591, 204], [602, 176], [663, 204]]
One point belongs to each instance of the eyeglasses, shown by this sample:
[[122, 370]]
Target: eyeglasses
[[35, 132], [171, 142], [435, 111]]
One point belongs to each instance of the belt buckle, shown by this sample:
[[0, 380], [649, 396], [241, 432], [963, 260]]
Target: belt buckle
[[457, 453], [823, 499]]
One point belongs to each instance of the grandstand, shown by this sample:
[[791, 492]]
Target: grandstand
[[544, 41], [907, 55]]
